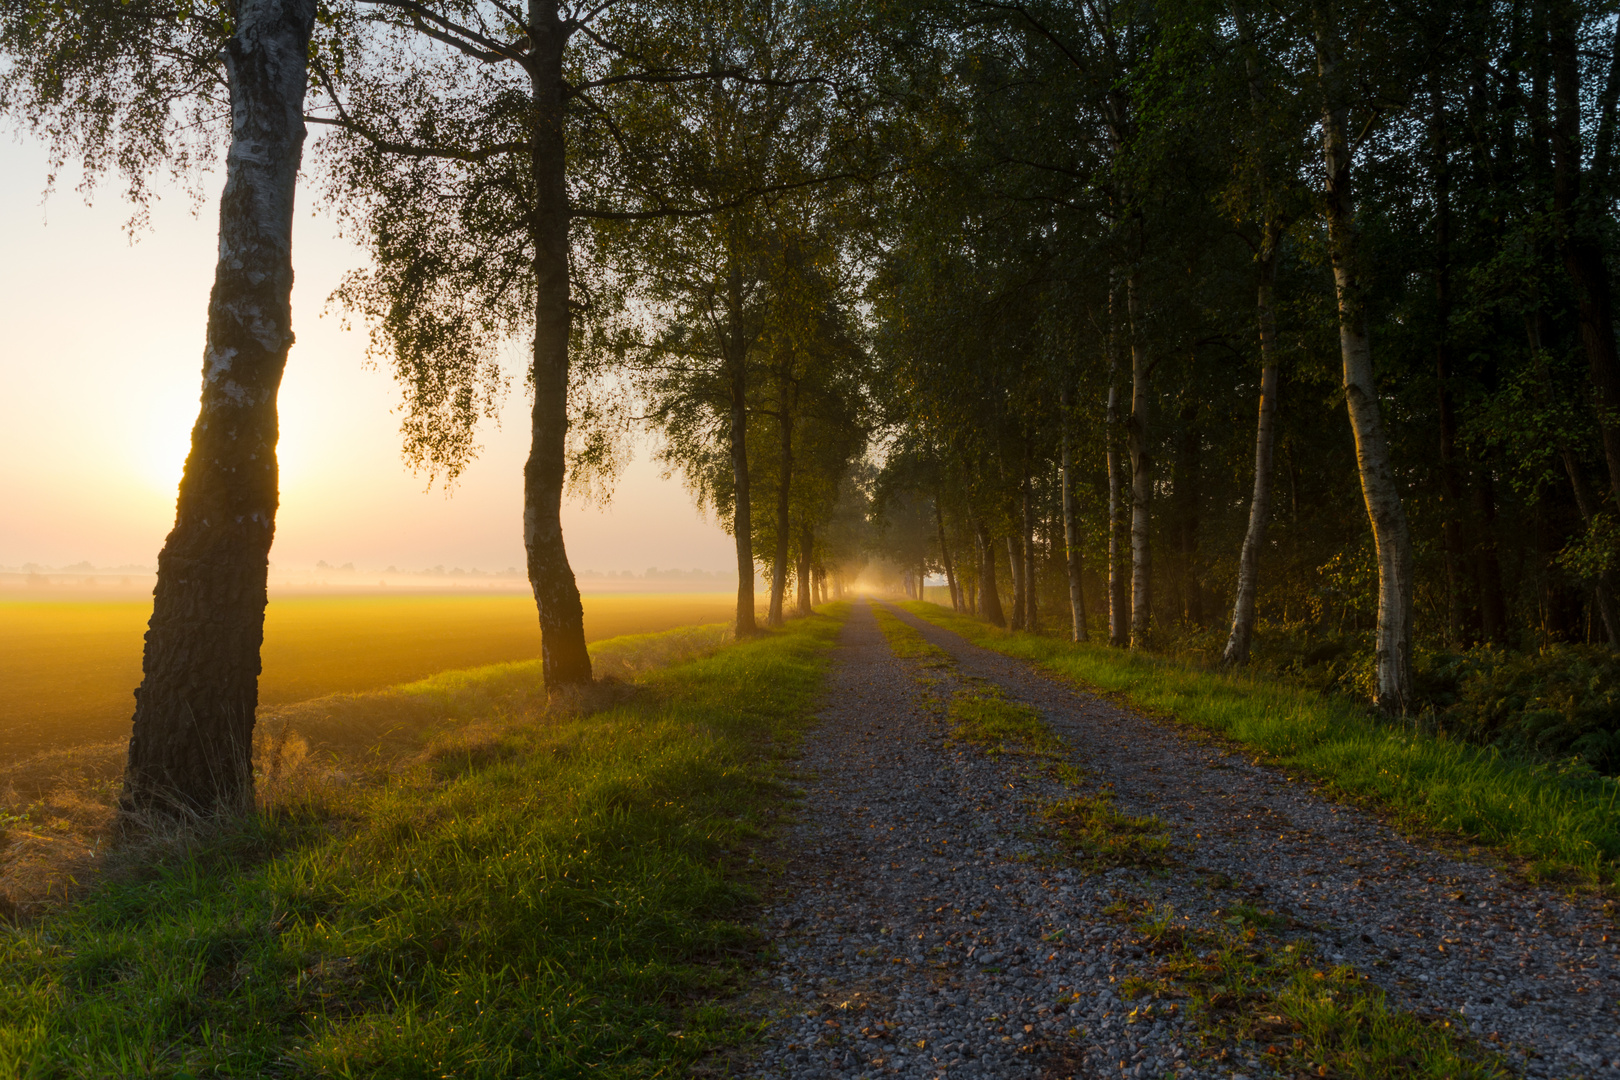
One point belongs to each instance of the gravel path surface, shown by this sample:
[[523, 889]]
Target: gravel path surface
[[924, 927]]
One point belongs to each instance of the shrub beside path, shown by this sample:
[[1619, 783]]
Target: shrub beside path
[[944, 910]]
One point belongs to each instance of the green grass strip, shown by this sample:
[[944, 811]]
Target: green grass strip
[[983, 717], [1561, 826], [1309, 1018], [562, 896], [907, 642]]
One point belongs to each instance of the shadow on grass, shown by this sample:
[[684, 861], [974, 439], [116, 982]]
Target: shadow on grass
[[524, 891]]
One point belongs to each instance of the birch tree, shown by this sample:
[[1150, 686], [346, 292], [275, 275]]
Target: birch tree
[[136, 86]]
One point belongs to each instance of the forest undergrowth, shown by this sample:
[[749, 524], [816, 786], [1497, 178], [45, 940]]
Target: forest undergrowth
[[1556, 819], [495, 886]]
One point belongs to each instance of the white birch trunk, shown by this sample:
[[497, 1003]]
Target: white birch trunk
[[1391, 535]]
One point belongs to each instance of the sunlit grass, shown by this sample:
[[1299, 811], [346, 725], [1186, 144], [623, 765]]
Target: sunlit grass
[[535, 893], [1309, 1018], [55, 807], [68, 668], [1430, 783], [981, 716], [905, 641]]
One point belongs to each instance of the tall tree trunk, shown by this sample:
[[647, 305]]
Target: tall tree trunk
[[564, 660], [1605, 583], [1071, 530], [945, 557], [1385, 511], [1487, 566], [1451, 526], [1032, 619], [742, 523], [1239, 640], [1118, 609], [190, 751], [1579, 240], [1141, 473], [1189, 453], [1254, 539], [1015, 565], [807, 543], [989, 597], [784, 504]]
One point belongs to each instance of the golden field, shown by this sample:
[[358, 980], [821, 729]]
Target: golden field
[[69, 666]]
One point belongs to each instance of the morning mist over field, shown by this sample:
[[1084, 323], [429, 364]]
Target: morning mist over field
[[100, 374], [1138, 599]]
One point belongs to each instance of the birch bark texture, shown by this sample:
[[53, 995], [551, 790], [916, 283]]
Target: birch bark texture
[[190, 750], [1141, 474], [1118, 613], [1238, 642], [1385, 511]]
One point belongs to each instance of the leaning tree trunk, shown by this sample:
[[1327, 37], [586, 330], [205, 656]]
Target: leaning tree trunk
[[945, 558], [1385, 511], [784, 506], [1248, 583], [191, 748], [1071, 531], [1141, 476], [989, 596], [807, 543], [564, 661]]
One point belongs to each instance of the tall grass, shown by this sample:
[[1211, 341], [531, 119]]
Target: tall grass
[[1562, 825], [550, 893]]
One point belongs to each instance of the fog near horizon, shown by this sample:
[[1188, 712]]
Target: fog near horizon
[[102, 369]]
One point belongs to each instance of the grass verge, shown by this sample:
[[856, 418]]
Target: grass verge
[[552, 894], [1564, 828], [56, 807], [1306, 1017]]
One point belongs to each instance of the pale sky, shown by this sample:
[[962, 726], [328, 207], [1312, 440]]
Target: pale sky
[[100, 359]]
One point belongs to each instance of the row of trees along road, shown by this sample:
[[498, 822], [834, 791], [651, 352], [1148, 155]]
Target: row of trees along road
[[1146, 313]]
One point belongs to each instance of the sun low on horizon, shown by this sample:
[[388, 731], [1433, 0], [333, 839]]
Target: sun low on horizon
[[102, 366]]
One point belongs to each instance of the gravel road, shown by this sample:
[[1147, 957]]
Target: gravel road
[[924, 928]]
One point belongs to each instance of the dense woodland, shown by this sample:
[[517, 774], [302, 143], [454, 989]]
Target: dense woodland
[[1276, 334]]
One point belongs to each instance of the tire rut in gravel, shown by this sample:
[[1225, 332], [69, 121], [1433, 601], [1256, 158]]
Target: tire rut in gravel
[[919, 928], [1528, 970]]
